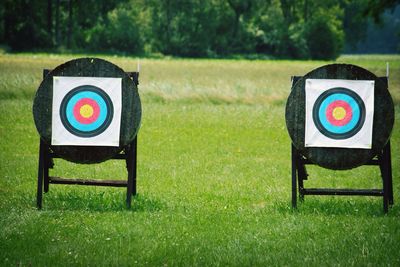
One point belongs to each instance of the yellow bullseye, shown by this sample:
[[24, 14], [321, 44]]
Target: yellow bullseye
[[86, 111], [339, 113]]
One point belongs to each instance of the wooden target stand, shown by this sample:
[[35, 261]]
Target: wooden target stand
[[383, 160], [46, 156]]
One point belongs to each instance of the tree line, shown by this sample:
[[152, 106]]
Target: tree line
[[303, 29]]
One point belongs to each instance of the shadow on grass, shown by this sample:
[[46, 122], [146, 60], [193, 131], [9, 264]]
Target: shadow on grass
[[99, 202], [337, 206]]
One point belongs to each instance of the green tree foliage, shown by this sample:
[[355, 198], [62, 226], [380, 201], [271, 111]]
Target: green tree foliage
[[182, 27], [300, 29], [380, 38], [354, 22], [324, 34], [195, 28], [375, 8], [23, 24], [118, 31]]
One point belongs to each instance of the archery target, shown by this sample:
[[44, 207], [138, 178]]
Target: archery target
[[339, 113], [86, 111]]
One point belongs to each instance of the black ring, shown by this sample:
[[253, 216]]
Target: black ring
[[317, 120], [102, 127]]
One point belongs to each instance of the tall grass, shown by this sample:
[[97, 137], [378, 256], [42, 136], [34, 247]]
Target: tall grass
[[186, 80]]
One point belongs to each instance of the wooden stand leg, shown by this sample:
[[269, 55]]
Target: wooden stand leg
[[131, 162], [301, 186], [384, 168], [134, 167], [130, 179], [46, 167], [39, 194], [302, 175], [294, 178], [390, 176], [385, 192]]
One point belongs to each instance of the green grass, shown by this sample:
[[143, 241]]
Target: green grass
[[213, 177]]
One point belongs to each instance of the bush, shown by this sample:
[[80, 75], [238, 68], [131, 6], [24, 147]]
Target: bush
[[325, 37], [120, 33]]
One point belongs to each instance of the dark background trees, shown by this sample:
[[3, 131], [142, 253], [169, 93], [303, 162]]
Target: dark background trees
[[317, 29]]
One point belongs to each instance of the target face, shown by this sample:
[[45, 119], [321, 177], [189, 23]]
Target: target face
[[86, 111], [339, 113]]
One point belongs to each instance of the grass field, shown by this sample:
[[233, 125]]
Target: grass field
[[213, 176]]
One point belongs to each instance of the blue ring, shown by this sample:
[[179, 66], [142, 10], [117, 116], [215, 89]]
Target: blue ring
[[106, 111], [90, 126], [339, 132], [334, 128]]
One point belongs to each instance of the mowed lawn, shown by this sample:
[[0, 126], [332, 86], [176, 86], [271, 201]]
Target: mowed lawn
[[214, 176]]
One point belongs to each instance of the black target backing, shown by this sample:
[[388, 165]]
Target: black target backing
[[88, 67], [340, 158]]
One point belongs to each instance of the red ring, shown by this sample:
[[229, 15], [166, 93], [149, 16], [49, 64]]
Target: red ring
[[93, 104], [342, 104]]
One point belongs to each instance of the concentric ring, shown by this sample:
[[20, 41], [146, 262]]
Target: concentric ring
[[86, 111], [339, 113]]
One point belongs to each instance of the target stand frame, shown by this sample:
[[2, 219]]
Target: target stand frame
[[383, 160], [46, 162]]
